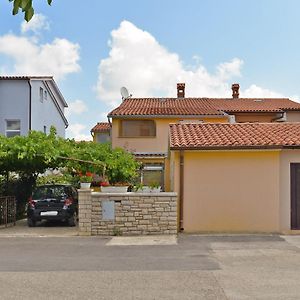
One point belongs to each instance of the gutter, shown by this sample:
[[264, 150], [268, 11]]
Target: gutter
[[165, 116], [237, 147], [30, 104], [181, 188]]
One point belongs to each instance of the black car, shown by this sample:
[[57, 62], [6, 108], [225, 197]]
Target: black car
[[53, 202]]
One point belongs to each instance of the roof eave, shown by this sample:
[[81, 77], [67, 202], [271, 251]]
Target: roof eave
[[221, 115], [236, 147]]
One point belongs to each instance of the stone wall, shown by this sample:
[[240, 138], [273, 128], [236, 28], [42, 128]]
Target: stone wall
[[127, 213]]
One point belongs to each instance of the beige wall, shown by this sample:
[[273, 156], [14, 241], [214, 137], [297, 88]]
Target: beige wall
[[151, 144], [233, 191], [254, 117], [293, 116], [286, 158]]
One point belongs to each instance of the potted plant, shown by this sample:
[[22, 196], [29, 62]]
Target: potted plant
[[155, 187], [85, 181]]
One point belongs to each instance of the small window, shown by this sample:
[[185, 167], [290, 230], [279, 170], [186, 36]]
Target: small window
[[41, 94], [138, 128], [13, 128], [45, 95], [102, 137]]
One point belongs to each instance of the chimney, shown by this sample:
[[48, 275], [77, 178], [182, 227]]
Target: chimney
[[180, 90], [235, 90]]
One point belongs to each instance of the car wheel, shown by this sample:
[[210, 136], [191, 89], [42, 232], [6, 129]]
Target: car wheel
[[31, 223], [72, 221]]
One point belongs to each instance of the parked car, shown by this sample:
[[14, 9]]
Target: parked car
[[53, 202]]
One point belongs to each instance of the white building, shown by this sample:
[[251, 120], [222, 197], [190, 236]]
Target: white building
[[31, 103]]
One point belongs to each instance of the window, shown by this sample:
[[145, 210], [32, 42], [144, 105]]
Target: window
[[41, 94], [138, 128], [152, 174], [102, 137], [45, 95], [13, 128]]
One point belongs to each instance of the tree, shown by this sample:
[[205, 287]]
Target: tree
[[26, 7]]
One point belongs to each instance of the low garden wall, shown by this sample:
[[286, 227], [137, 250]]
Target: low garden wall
[[127, 213]]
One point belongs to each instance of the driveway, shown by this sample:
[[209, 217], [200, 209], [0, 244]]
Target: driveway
[[43, 229], [196, 267]]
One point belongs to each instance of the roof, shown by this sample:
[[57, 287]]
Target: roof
[[150, 154], [209, 136], [200, 106], [101, 127], [25, 77]]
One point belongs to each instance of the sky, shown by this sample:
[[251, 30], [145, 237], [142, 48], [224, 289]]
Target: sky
[[93, 48]]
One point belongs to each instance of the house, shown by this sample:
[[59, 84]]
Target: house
[[31, 103], [242, 177], [101, 132], [141, 125]]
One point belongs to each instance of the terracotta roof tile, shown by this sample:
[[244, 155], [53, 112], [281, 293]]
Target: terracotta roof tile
[[101, 127], [165, 106], [201, 106], [238, 135]]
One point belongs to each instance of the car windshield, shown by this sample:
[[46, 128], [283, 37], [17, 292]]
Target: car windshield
[[50, 192]]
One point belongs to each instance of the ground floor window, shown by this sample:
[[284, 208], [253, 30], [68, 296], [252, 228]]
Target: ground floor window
[[152, 174], [13, 128]]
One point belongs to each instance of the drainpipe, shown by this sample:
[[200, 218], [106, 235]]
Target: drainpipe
[[30, 88], [282, 118], [181, 187]]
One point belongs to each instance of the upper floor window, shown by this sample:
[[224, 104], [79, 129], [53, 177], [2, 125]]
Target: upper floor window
[[13, 128], [41, 94], [137, 128], [45, 95]]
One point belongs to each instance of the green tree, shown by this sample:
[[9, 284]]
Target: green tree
[[26, 7]]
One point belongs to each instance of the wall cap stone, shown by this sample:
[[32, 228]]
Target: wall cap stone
[[134, 194]]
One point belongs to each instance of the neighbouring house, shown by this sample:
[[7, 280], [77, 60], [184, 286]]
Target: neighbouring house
[[101, 132], [141, 125], [237, 177], [31, 103]]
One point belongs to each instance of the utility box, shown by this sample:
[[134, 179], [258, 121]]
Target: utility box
[[108, 210]]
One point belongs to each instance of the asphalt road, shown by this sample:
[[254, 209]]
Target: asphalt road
[[198, 267]]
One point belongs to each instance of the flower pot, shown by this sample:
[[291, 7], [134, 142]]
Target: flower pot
[[85, 185], [114, 189], [155, 190]]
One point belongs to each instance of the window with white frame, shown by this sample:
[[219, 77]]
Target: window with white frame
[[13, 128]]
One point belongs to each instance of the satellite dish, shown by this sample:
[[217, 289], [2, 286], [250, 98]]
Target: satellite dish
[[124, 92]]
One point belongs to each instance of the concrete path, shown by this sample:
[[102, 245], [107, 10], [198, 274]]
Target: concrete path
[[197, 267]]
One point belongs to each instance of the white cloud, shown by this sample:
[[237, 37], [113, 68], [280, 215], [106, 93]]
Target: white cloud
[[58, 58], [137, 61], [257, 91], [76, 107], [77, 131], [38, 23], [30, 57]]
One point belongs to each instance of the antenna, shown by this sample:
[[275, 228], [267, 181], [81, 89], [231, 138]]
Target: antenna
[[124, 93]]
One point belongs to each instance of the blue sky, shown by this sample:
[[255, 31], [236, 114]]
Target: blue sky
[[95, 47]]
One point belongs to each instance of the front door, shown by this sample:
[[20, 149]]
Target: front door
[[295, 195]]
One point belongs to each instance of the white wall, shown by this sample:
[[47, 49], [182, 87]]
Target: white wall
[[14, 103], [45, 113]]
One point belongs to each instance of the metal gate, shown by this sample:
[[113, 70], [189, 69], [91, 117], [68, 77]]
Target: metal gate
[[7, 211]]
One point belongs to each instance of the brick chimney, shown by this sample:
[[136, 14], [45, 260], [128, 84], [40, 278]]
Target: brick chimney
[[180, 90], [235, 90]]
